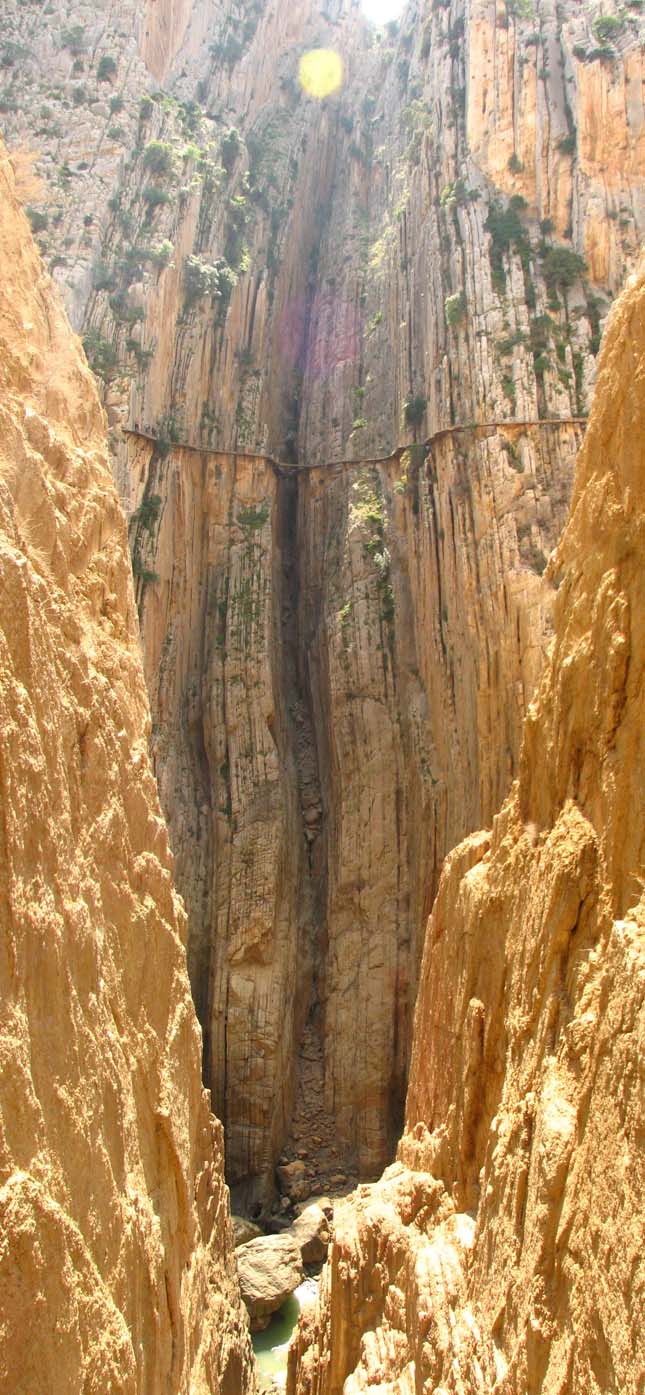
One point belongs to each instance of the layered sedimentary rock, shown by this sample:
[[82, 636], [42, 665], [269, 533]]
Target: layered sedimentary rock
[[339, 661], [503, 1251], [116, 1268]]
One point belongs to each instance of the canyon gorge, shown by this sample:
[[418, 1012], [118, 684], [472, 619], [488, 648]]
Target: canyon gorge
[[342, 289]]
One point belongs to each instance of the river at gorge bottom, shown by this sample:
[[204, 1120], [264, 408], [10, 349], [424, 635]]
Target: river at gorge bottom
[[271, 1345]]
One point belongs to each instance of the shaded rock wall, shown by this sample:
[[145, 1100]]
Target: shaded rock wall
[[504, 1249], [116, 1231], [338, 685]]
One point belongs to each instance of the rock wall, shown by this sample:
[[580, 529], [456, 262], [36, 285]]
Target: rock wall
[[116, 1269], [504, 1249], [339, 660]]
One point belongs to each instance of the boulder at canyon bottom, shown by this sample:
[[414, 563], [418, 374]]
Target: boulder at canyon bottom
[[269, 1270]]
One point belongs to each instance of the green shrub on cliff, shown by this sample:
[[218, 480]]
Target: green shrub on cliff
[[414, 409], [456, 306], [158, 158], [562, 267], [605, 28]]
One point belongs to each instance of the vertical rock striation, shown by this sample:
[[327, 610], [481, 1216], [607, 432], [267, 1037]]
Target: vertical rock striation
[[503, 1251], [116, 1268], [339, 660]]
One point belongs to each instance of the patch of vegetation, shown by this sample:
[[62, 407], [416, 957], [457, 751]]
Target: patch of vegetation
[[426, 39], [106, 69], [12, 53], [101, 354], [510, 391], [160, 254], [566, 145], [142, 572], [253, 517], [455, 306], [506, 232], [123, 310], [593, 312], [201, 279], [74, 39], [37, 220], [228, 50], [561, 267], [103, 277], [414, 410], [454, 195], [506, 345], [417, 118], [167, 435], [606, 28], [367, 510], [154, 197], [158, 159], [147, 514], [344, 615], [230, 148]]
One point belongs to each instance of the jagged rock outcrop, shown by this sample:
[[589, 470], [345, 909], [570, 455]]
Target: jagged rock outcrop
[[116, 1267], [339, 662], [503, 1251]]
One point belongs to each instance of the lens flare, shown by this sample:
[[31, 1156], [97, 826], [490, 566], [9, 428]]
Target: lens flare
[[381, 11], [321, 72]]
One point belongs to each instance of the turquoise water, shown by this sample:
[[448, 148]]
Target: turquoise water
[[271, 1346]]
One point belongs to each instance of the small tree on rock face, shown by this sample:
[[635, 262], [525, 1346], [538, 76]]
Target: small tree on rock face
[[106, 68], [201, 279], [607, 27], [414, 409], [562, 267], [158, 158], [74, 39], [231, 144], [456, 308]]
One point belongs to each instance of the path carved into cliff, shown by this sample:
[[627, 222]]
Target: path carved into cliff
[[293, 466]]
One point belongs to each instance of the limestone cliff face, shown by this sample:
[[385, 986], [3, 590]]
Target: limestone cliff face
[[116, 1270], [339, 661], [503, 1251]]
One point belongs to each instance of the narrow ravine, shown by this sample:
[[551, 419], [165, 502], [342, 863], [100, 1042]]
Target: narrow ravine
[[271, 1346], [311, 1140]]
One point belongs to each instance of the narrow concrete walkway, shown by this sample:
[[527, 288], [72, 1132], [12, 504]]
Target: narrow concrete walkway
[[286, 467]]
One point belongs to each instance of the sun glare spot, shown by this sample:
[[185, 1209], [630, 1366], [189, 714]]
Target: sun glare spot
[[381, 11], [321, 72]]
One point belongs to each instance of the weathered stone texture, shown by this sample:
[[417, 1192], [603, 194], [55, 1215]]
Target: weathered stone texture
[[116, 1268], [503, 1251], [338, 692], [270, 1268]]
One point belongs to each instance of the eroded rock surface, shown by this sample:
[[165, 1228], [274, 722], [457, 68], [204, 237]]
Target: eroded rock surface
[[339, 659], [270, 1269], [504, 1249], [312, 1230], [116, 1268]]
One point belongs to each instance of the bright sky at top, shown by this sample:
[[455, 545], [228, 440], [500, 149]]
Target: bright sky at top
[[380, 11]]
